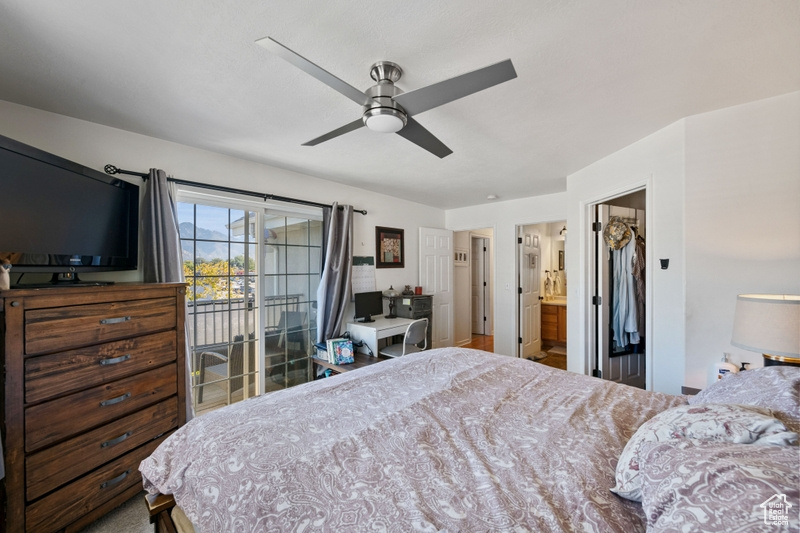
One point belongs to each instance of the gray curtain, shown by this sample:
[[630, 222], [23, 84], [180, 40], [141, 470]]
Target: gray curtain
[[335, 286], [161, 247], [161, 243]]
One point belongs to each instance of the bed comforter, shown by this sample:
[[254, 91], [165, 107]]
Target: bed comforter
[[444, 440]]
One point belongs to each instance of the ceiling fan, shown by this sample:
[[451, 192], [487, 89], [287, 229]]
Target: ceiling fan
[[388, 109]]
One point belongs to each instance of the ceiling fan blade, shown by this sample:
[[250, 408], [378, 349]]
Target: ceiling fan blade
[[335, 133], [318, 72], [414, 132], [425, 98]]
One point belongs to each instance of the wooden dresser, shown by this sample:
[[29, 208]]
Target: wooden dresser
[[94, 380]]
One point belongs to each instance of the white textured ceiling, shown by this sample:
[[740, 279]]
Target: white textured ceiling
[[593, 77]]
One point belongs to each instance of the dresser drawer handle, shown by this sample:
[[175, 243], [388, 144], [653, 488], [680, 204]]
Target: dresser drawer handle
[[115, 360], [119, 439], [112, 401], [111, 482], [117, 320]]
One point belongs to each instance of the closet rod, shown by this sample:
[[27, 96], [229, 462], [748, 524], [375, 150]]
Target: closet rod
[[111, 169]]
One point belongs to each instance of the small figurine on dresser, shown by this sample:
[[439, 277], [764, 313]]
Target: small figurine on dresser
[[5, 278], [408, 291]]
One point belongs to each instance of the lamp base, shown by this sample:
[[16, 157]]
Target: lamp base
[[780, 360]]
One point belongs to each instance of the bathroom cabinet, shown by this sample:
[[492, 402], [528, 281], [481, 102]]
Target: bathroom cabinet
[[554, 322]]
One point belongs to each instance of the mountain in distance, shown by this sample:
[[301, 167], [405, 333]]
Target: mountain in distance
[[205, 250]]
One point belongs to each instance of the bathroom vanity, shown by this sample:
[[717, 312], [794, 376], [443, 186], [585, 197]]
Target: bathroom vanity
[[554, 321]]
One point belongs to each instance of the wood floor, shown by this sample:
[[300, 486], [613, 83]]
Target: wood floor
[[481, 342], [556, 355]]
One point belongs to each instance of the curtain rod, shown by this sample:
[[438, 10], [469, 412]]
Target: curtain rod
[[111, 169]]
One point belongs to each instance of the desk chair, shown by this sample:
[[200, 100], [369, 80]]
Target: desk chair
[[417, 332], [227, 366]]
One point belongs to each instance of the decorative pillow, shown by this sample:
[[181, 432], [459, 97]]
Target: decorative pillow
[[709, 422], [775, 387], [720, 487]]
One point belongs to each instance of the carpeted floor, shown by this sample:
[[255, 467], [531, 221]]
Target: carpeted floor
[[130, 517]]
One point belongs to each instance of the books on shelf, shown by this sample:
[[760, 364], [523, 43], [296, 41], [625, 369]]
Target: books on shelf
[[340, 351]]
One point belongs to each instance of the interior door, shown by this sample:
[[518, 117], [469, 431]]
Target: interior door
[[530, 307], [436, 278], [479, 269], [621, 366], [602, 298]]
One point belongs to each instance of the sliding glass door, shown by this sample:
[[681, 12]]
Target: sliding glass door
[[291, 273], [253, 275]]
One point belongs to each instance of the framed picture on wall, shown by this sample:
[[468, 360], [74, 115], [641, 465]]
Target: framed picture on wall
[[389, 248]]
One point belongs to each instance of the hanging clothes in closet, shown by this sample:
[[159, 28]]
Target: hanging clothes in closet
[[625, 323], [638, 268]]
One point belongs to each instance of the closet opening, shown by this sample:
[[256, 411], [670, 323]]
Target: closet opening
[[619, 230]]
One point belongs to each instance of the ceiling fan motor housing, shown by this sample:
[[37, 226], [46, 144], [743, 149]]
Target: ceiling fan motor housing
[[383, 114]]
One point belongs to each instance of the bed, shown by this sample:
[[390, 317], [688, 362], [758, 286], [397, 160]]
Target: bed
[[463, 440]]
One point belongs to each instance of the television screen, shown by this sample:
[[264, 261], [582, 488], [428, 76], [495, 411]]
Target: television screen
[[59, 216], [368, 304]]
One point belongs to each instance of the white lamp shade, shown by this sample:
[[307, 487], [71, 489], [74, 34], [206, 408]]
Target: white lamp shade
[[768, 324]]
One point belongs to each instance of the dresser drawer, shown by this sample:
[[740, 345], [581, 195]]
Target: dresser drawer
[[59, 419], [50, 468], [72, 501], [48, 376], [61, 328]]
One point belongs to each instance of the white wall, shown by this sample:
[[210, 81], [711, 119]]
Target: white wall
[[742, 220], [95, 146], [657, 161], [503, 217], [462, 296], [723, 205]]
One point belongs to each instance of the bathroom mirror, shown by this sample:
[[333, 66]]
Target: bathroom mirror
[[558, 255]]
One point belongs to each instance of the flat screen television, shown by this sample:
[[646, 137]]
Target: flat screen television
[[63, 218], [368, 304]]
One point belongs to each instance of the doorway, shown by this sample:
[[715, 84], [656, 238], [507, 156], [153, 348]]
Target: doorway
[[619, 232], [479, 281], [542, 301], [473, 294]]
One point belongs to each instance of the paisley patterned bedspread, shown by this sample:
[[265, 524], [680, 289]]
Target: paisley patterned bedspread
[[443, 440]]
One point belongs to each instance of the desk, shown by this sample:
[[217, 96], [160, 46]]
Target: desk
[[372, 332], [360, 360]]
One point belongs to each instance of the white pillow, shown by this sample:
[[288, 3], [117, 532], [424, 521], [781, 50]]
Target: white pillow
[[708, 422], [776, 388], [718, 487]]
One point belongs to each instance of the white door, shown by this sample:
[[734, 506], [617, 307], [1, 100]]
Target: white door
[[530, 307], [436, 278], [480, 269], [626, 368]]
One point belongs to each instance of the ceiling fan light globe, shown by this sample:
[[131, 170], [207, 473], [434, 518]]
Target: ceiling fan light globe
[[384, 120]]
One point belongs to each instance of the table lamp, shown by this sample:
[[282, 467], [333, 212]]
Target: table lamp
[[770, 324], [391, 293]]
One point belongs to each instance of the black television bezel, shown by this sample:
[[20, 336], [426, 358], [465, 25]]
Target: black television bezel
[[367, 318], [132, 258]]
